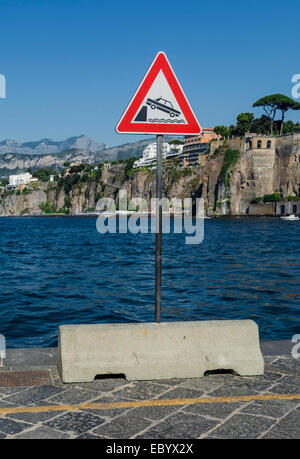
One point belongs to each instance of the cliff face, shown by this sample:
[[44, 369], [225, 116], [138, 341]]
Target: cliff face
[[14, 204], [258, 171], [253, 173]]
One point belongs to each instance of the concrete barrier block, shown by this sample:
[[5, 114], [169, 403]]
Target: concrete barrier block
[[145, 351]]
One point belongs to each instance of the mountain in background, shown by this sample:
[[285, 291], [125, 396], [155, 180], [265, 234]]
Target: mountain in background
[[16, 157], [48, 146]]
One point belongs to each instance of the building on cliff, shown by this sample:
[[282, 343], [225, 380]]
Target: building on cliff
[[20, 179], [148, 157], [196, 147]]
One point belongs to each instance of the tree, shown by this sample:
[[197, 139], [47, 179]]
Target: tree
[[176, 142], [274, 102], [270, 106], [284, 104], [222, 131], [244, 123], [261, 125]]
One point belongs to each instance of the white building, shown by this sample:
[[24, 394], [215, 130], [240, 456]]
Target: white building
[[20, 179], [149, 154]]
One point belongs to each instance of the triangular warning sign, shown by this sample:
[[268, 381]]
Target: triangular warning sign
[[159, 106]]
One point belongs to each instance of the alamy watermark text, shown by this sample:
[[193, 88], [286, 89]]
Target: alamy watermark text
[[296, 87]]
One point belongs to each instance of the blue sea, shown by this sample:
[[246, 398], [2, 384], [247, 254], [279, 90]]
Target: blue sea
[[57, 270]]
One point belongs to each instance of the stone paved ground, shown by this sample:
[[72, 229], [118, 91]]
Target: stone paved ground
[[228, 418]]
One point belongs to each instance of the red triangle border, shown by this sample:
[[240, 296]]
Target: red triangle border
[[126, 125]]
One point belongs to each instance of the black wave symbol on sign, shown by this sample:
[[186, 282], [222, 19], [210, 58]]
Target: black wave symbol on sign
[[163, 120]]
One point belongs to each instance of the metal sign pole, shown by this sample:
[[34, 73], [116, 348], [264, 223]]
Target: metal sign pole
[[158, 249]]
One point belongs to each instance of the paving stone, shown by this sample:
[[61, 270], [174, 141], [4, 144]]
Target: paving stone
[[270, 358], [181, 392], [5, 391], [268, 376], [285, 388], [242, 387], [75, 422], [5, 404], [110, 412], [104, 385], [141, 390], [42, 432], [287, 366], [189, 421], [287, 428], [204, 385], [270, 368], [11, 427], [125, 426], [294, 380], [35, 394], [272, 408], [89, 436], [168, 382], [214, 410], [34, 418], [243, 426], [180, 425], [73, 396], [155, 413], [271, 376]]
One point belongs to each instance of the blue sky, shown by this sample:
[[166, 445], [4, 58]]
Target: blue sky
[[72, 65]]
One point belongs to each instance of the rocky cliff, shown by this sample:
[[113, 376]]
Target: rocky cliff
[[256, 173], [228, 180]]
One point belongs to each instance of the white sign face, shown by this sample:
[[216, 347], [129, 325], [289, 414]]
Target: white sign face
[[160, 104]]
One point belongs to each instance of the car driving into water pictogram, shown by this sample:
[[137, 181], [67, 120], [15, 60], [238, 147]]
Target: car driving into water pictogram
[[163, 105]]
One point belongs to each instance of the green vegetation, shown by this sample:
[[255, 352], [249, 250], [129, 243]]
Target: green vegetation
[[77, 168], [47, 207], [274, 197], [246, 122], [68, 202], [222, 131], [97, 196], [4, 181], [177, 174], [69, 181], [230, 159], [256, 200], [6, 193], [293, 198], [24, 211], [271, 104], [63, 210], [44, 174], [174, 174], [128, 169]]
